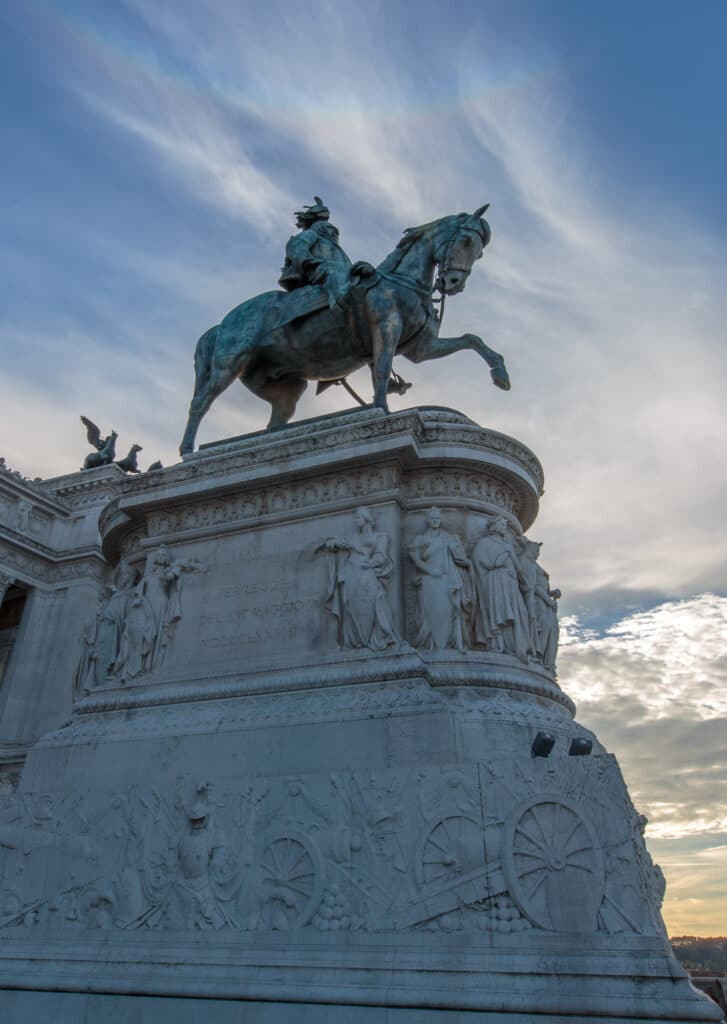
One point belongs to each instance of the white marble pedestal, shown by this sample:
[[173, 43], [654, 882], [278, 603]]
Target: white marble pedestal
[[282, 804]]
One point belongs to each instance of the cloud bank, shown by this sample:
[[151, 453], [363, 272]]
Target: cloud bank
[[653, 686]]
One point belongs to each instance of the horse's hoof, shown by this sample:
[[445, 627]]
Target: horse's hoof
[[500, 378]]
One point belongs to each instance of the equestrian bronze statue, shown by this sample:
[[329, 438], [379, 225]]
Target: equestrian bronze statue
[[334, 317]]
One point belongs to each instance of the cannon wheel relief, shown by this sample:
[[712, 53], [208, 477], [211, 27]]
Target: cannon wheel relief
[[553, 865], [291, 881], [453, 847]]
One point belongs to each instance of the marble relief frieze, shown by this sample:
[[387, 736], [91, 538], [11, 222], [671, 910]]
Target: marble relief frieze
[[431, 581], [254, 506], [473, 487], [494, 847], [272, 501]]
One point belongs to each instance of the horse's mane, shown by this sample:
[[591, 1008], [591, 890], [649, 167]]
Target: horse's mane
[[410, 236]]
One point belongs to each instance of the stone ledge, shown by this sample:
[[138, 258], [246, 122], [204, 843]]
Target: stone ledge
[[304, 454], [613, 981], [470, 670]]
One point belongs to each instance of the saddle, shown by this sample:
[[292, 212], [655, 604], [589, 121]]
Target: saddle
[[301, 302], [310, 298]]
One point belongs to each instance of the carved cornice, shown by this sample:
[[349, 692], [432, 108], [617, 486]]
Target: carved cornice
[[323, 462], [265, 505], [87, 488], [316, 704], [491, 489], [23, 542], [476, 670], [315, 437], [19, 488], [35, 567]]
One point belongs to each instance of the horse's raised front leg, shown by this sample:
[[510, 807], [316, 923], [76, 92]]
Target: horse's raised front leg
[[429, 346]]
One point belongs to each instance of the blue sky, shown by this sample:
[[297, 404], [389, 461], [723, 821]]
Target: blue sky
[[153, 155]]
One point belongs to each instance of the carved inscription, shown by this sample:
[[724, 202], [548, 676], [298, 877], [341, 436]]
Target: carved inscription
[[265, 611]]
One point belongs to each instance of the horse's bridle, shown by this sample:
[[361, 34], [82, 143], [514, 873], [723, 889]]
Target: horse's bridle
[[443, 266]]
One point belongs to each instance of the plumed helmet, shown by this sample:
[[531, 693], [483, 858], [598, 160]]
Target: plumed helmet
[[318, 211]]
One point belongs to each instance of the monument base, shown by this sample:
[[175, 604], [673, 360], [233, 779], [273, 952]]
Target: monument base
[[286, 802], [49, 1008]]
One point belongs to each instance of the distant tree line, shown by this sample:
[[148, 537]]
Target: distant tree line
[[708, 956]]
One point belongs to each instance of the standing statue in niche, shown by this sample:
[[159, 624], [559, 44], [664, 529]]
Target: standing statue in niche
[[85, 678], [501, 618], [443, 585], [101, 641], [113, 618], [153, 610], [528, 551], [22, 516], [359, 570], [546, 619]]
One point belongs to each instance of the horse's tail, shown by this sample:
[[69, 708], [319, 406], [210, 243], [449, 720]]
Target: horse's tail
[[203, 357]]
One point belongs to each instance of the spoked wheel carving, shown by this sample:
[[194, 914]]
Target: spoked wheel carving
[[291, 879], [553, 865], [452, 848]]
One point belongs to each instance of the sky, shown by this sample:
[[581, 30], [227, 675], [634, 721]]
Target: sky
[[153, 155]]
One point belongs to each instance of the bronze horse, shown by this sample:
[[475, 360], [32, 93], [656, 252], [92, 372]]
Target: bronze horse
[[388, 313]]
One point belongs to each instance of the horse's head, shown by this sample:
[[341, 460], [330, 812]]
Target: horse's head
[[460, 241]]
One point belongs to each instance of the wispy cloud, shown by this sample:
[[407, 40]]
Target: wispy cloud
[[306, 75], [678, 650], [201, 154]]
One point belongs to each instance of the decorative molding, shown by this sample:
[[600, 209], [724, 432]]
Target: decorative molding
[[87, 488], [265, 505], [16, 489], [6, 581], [368, 428], [481, 670], [489, 488], [51, 568], [262, 505]]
